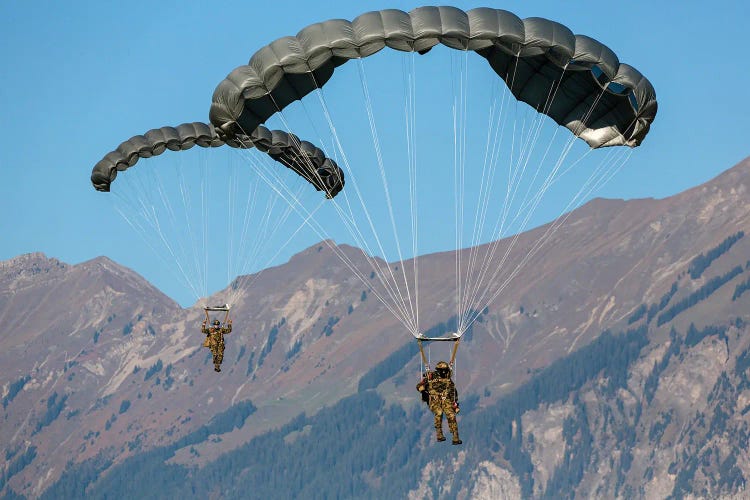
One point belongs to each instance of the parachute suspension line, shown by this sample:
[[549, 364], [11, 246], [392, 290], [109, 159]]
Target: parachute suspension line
[[174, 244], [596, 180], [353, 228], [199, 246], [333, 153], [383, 177], [411, 145], [552, 177], [250, 204], [239, 256], [460, 117], [487, 181], [489, 169], [527, 215], [273, 180], [398, 296], [149, 216], [236, 270], [248, 253], [264, 224], [512, 176], [285, 216], [177, 250], [456, 201], [392, 286], [526, 149], [462, 181], [524, 156], [536, 198], [187, 208], [231, 197], [142, 232], [561, 220], [514, 172], [499, 230], [264, 236], [205, 195], [603, 181]]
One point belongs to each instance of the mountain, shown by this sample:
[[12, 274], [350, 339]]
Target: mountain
[[614, 365]]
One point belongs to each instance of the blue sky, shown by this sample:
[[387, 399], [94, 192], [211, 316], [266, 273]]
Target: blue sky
[[81, 77]]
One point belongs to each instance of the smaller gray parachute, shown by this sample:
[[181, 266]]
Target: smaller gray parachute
[[303, 157]]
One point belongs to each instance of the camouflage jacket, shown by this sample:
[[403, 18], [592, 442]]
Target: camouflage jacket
[[438, 387], [442, 388]]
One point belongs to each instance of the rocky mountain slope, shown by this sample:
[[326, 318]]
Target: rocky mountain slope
[[614, 365]]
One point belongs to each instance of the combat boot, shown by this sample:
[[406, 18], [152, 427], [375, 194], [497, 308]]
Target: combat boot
[[440, 435], [217, 368], [455, 438]]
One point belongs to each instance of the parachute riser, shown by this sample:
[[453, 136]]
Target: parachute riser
[[452, 361], [225, 308]]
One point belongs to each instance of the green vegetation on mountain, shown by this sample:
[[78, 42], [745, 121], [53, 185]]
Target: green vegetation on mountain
[[702, 261]]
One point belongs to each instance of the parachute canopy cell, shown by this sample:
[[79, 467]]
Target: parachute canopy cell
[[304, 158], [599, 99]]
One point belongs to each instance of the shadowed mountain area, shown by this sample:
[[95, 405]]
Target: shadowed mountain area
[[616, 364]]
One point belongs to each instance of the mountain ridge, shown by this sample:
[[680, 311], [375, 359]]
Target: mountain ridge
[[88, 371]]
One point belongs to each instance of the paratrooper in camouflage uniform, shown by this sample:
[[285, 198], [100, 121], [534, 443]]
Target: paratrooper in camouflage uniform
[[215, 340], [442, 398]]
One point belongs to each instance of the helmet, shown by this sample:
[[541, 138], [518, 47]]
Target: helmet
[[443, 369], [216, 322]]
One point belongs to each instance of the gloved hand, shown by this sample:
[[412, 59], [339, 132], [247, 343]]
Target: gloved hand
[[456, 408]]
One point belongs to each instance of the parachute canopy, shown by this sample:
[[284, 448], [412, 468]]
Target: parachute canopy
[[532, 55], [301, 156]]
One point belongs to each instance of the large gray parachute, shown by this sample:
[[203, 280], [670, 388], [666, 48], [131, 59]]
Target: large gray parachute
[[301, 156], [599, 99]]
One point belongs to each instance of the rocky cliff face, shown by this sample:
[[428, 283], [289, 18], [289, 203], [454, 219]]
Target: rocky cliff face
[[96, 363]]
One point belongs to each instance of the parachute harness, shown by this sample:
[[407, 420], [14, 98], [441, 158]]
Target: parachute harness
[[426, 370]]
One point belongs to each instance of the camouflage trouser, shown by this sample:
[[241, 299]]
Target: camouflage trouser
[[440, 406], [217, 349]]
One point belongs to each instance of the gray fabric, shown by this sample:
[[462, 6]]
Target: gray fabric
[[301, 156], [532, 55]]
